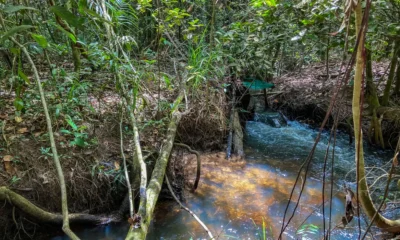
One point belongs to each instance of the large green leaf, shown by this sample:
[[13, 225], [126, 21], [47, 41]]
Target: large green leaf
[[68, 16], [70, 35], [40, 39], [14, 30], [23, 76], [13, 9], [18, 104]]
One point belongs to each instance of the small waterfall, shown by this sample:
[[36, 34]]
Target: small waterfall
[[273, 119]]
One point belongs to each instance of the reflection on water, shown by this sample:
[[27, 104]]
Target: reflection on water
[[233, 200]]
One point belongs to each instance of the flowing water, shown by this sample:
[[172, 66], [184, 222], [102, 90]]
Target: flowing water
[[234, 201]]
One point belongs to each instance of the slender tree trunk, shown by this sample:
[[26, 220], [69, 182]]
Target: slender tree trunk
[[397, 87], [373, 102], [393, 64], [363, 192], [64, 203], [76, 47]]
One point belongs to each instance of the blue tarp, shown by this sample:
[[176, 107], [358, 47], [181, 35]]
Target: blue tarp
[[255, 84]]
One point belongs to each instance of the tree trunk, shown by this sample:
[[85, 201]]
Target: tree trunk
[[373, 102], [393, 64], [397, 88], [363, 192], [157, 177]]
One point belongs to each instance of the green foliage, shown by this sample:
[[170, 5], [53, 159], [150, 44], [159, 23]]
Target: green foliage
[[70, 35], [41, 40], [13, 31], [80, 136], [68, 16], [175, 17], [14, 180], [18, 8], [204, 62]]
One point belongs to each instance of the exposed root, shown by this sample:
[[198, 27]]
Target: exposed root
[[198, 172], [47, 217]]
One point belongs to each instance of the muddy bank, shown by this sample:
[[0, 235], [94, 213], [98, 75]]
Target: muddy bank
[[91, 156]]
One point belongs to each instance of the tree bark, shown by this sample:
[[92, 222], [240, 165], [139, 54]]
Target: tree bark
[[157, 177], [393, 64], [363, 192]]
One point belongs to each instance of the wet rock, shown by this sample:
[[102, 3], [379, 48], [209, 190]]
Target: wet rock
[[274, 119]]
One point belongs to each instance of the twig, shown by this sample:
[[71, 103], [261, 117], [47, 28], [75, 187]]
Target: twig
[[198, 172], [3, 131], [188, 210]]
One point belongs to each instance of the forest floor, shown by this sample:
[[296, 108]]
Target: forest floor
[[313, 87]]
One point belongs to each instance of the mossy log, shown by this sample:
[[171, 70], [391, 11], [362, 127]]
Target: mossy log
[[44, 216]]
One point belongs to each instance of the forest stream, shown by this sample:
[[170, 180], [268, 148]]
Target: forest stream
[[234, 202]]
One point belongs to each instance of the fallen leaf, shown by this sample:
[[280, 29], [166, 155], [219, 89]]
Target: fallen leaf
[[88, 152], [7, 158], [37, 134], [23, 130], [18, 119], [117, 166], [8, 165]]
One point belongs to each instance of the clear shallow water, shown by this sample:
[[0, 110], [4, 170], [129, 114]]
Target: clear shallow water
[[233, 201]]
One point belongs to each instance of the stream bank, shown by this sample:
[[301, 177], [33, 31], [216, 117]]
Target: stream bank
[[305, 95], [94, 173]]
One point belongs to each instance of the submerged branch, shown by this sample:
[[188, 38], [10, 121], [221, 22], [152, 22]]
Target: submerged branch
[[188, 210]]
